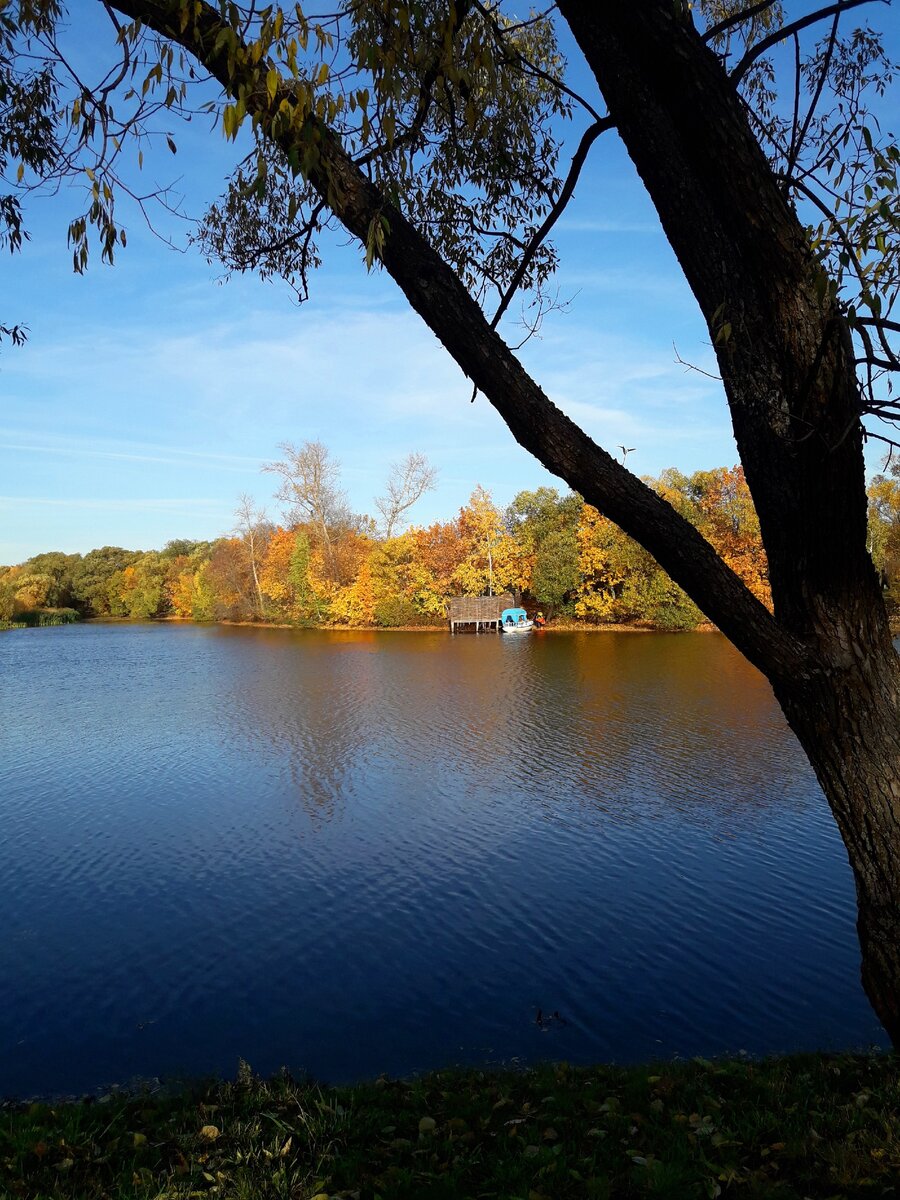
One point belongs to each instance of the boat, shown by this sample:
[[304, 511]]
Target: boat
[[515, 620]]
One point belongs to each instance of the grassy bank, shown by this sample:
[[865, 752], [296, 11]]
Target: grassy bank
[[810, 1126]]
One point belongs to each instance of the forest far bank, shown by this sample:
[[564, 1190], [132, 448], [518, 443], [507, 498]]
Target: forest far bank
[[342, 570]]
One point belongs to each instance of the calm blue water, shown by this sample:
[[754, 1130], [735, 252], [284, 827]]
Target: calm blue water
[[355, 853]]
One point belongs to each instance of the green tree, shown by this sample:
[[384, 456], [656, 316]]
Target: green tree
[[91, 577], [554, 576], [203, 595], [35, 591], [546, 525], [182, 548], [60, 568], [306, 603], [146, 596], [429, 132]]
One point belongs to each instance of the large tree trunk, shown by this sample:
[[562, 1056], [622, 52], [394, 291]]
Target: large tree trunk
[[846, 713]]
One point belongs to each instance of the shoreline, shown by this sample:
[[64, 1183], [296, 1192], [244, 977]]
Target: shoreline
[[560, 627], [556, 627], [799, 1125]]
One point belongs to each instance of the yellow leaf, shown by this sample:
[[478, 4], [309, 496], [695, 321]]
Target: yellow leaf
[[140, 1139], [209, 1133]]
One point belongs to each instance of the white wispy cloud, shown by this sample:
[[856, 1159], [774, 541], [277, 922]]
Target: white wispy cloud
[[109, 422], [115, 503], [167, 456]]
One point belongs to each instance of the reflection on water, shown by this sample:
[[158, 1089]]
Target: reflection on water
[[359, 852]]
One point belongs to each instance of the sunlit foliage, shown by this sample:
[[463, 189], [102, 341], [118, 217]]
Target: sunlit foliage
[[559, 553]]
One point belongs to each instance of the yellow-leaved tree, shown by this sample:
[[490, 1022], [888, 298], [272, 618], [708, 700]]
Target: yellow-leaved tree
[[494, 560], [599, 566], [354, 604], [274, 576]]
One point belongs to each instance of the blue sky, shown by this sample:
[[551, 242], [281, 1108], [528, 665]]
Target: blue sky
[[150, 394]]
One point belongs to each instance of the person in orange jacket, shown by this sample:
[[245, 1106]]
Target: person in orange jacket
[[539, 621]]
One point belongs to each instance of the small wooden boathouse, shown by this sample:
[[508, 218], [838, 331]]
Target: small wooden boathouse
[[482, 612]]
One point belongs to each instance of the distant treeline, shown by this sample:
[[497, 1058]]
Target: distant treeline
[[559, 552]]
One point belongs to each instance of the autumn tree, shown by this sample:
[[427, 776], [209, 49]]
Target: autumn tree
[[225, 589], [407, 483], [439, 551], [138, 590], [60, 567], [431, 133], [728, 520], [7, 594], [494, 561], [310, 489], [884, 532], [404, 588], [34, 591], [254, 531], [91, 577], [354, 603], [619, 581], [274, 576]]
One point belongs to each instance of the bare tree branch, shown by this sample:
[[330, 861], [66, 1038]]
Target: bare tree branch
[[408, 483]]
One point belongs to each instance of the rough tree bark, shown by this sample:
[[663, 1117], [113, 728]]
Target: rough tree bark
[[791, 386]]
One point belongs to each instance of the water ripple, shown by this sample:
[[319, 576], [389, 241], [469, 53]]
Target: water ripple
[[357, 852]]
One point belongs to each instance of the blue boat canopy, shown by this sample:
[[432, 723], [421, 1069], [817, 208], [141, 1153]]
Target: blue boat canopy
[[512, 616]]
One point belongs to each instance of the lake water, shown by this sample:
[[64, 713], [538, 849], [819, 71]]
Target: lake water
[[361, 852]]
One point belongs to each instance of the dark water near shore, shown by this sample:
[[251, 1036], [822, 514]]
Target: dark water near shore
[[355, 853]]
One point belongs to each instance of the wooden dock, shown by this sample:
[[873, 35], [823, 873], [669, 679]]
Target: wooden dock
[[480, 612]]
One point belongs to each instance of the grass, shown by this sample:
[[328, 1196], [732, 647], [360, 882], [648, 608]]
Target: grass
[[40, 617], [811, 1126]]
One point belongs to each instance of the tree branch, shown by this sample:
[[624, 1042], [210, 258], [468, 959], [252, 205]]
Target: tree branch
[[787, 31], [588, 138], [736, 19], [797, 139]]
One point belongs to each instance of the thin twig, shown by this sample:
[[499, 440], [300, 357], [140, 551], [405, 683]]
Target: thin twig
[[692, 367]]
